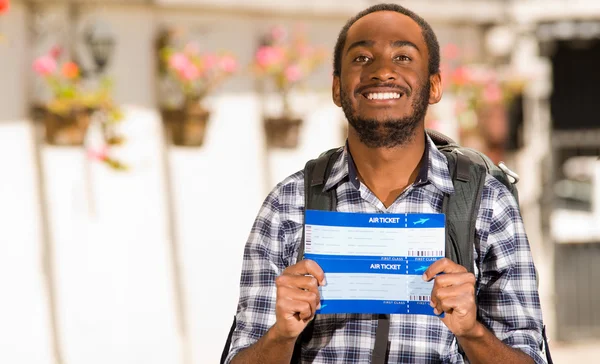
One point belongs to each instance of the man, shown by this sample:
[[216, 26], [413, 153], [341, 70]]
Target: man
[[386, 73]]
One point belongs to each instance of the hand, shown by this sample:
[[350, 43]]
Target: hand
[[297, 297], [454, 294]]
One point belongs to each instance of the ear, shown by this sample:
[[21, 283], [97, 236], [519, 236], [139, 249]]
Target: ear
[[435, 93], [335, 91]]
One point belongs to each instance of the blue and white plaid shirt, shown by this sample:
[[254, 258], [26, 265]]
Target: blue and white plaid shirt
[[506, 289]]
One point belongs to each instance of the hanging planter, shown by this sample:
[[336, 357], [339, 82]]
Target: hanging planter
[[195, 75], [65, 129], [482, 93], [285, 61], [282, 132], [76, 103], [186, 126]]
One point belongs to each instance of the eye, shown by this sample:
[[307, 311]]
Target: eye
[[362, 59], [402, 58]]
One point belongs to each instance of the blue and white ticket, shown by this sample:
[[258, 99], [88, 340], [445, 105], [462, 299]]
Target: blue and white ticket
[[374, 263]]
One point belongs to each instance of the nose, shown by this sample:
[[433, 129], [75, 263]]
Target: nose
[[383, 71]]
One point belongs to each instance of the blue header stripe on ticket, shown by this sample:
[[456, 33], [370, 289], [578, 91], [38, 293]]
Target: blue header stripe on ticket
[[399, 265], [347, 219], [362, 266]]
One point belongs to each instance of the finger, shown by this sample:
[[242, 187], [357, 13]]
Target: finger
[[454, 279], [307, 267], [293, 294], [301, 310], [298, 282], [449, 298], [443, 265], [439, 294], [460, 305]]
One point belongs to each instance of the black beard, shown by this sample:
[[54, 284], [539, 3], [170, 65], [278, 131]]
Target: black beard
[[388, 133]]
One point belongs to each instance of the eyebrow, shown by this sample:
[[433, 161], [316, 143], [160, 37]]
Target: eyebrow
[[370, 43], [404, 43]]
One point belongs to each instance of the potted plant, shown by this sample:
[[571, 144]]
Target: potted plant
[[285, 60], [73, 103], [195, 74], [482, 94]]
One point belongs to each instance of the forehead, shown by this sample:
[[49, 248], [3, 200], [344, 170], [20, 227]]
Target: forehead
[[386, 26]]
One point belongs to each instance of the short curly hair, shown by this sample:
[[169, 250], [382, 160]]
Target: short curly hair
[[428, 34]]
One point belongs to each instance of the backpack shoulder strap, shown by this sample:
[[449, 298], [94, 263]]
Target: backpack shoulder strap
[[316, 173], [462, 208]]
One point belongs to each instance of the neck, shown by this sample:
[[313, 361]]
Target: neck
[[387, 172]]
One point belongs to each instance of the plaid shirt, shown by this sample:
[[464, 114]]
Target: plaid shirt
[[507, 297]]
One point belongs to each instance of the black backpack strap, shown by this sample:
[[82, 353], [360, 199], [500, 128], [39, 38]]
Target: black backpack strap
[[316, 173], [382, 333], [228, 342], [462, 208]]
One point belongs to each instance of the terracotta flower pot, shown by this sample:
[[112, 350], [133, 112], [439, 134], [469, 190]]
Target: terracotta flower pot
[[282, 132], [186, 126], [67, 129]]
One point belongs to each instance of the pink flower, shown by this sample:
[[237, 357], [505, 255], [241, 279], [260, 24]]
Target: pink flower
[[267, 56], [45, 65], [293, 73], [179, 62], [278, 33], [209, 60], [228, 64], [460, 76], [99, 154], [55, 52], [190, 73], [492, 93]]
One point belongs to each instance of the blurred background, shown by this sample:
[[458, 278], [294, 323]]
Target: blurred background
[[138, 139]]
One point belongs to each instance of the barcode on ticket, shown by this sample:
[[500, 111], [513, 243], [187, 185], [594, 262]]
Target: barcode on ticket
[[420, 298], [425, 253]]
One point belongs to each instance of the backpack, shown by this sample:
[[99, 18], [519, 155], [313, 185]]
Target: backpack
[[468, 169]]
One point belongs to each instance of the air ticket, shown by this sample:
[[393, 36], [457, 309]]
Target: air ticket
[[374, 263]]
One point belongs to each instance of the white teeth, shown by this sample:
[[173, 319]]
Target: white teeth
[[383, 96]]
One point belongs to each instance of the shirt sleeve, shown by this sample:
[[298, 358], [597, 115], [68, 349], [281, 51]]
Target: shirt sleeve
[[507, 294], [266, 255]]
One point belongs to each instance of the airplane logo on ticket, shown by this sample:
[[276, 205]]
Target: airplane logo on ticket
[[421, 221], [422, 269]]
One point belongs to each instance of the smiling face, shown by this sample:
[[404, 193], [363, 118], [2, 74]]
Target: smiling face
[[384, 87]]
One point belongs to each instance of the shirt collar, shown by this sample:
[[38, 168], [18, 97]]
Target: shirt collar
[[433, 169]]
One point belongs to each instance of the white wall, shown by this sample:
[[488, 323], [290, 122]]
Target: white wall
[[114, 274], [114, 279]]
